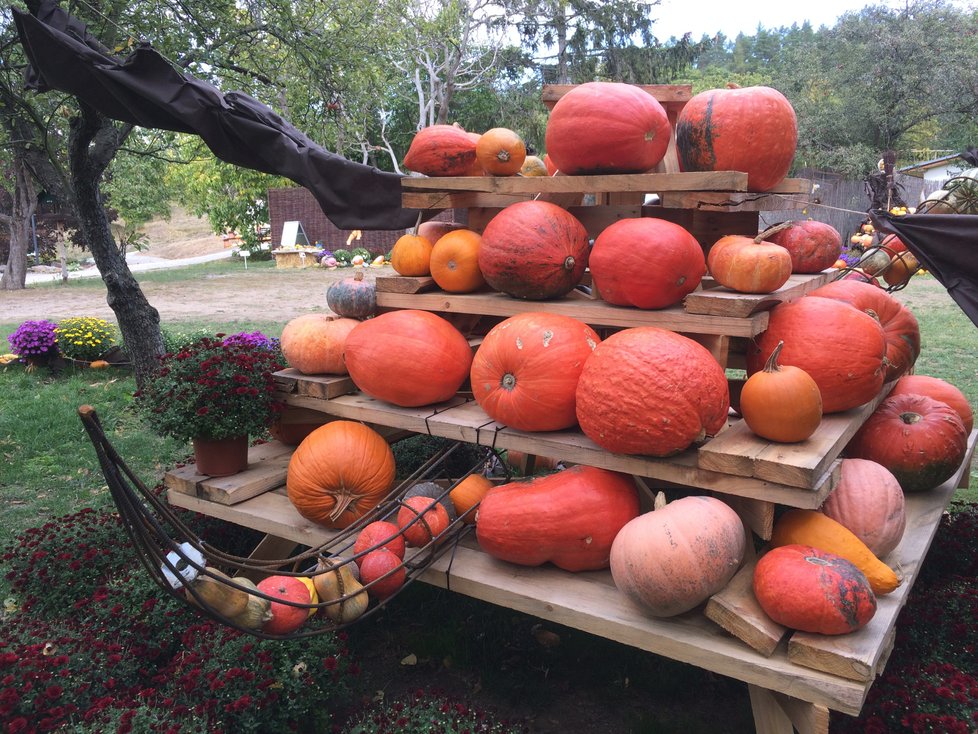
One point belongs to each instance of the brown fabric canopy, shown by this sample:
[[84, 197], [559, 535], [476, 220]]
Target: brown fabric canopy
[[146, 90]]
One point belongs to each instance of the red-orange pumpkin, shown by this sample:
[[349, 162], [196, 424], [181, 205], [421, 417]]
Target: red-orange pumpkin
[[812, 590], [899, 324], [339, 473], [569, 518], [921, 440], [313, 343], [750, 129], [525, 372], [607, 127], [869, 502], [534, 250], [935, 387], [651, 391], [441, 150], [813, 246], [408, 358], [673, 558], [849, 371], [646, 263], [748, 264]]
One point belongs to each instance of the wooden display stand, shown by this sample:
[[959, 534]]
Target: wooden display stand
[[793, 679]]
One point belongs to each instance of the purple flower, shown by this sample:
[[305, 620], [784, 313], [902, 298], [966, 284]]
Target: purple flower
[[34, 339], [254, 339]]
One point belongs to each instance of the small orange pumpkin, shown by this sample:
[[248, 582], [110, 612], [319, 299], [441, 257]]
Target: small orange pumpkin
[[749, 264], [781, 403], [411, 255], [500, 151], [534, 166], [467, 494], [455, 262], [98, 364]]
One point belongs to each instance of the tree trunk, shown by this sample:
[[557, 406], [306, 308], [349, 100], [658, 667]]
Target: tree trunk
[[92, 143], [24, 204]]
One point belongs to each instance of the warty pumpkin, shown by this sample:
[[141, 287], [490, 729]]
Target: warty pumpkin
[[781, 403], [674, 558], [569, 518], [813, 246], [749, 129], [748, 264], [534, 250], [441, 150], [869, 502], [900, 327], [921, 440], [339, 473], [500, 151], [808, 589], [526, 370], [646, 263], [638, 371], [409, 358], [942, 390], [607, 127], [411, 255], [810, 527], [353, 297], [314, 342], [454, 262], [849, 371]]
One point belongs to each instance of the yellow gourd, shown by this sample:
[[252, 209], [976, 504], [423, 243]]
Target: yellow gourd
[[808, 527], [335, 583]]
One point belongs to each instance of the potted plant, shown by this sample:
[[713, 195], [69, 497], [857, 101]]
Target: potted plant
[[214, 392]]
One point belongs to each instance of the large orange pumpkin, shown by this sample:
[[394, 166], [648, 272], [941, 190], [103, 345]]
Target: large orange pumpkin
[[935, 387], [749, 129], [607, 127], [646, 263], [672, 559], [455, 262], [813, 246], [339, 473], [921, 440], [569, 518], [841, 347], [748, 264], [899, 324], [408, 358], [535, 250], [441, 150], [313, 343], [525, 372], [651, 391], [869, 502]]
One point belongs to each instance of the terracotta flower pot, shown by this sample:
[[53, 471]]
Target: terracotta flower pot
[[221, 457]]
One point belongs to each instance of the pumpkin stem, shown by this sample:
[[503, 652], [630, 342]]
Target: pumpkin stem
[[569, 262], [910, 418], [358, 274], [418, 223], [660, 501], [509, 381], [772, 230], [342, 503], [772, 362]]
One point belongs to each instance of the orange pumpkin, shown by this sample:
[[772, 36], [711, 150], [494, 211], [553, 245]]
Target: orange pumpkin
[[467, 494], [339, 473], [411, 255], [313, 343], [781, 403], [441, 150], [500, 151], [455, 262], [749, 264], [534, 166]]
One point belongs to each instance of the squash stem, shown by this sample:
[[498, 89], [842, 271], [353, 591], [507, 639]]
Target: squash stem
[[772, 362]]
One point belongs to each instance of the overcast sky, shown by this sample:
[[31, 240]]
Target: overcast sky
[[676, 17]]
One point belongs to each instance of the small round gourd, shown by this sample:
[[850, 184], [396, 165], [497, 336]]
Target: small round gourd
[[354, 297], [500, 151], [781, 403]]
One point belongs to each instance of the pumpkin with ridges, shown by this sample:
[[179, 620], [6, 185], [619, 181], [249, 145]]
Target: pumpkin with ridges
[[646, 263], [534, 250], [900, 326], [869, 502], [750, 129], [354, 297], [810, 590], [813, 246], [526, 370], [666, 390], [314, 342], [849, 371], [935, 387], [607, 127], [921, 440], [569, 518], [340, 472], [672, 559], [781, 403], [409, 358], [748, 264]]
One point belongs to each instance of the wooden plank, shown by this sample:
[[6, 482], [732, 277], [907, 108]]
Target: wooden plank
[[806, 718], [596, 313], [769, 717], [737, 450], [757, 515], [714, 300], [719, 201], [290, 380], [267, 467], [735, 609], [648, 183], [860, 655], [404, 284], [666, 94], [460, 199]]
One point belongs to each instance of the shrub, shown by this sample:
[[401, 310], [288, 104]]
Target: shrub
[[84, 338], [427, 712], [34, 339]]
